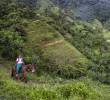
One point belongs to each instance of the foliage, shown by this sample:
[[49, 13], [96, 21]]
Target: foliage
[[20, 91], [10, 43], [89, 40], [5, 8], [82, 52], [69, 90]]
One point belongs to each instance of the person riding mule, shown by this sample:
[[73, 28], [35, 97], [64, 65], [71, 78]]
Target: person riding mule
[[21, 68], [19, 63]]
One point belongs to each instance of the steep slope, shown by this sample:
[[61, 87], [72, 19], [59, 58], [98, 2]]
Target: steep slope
[[60, 56]]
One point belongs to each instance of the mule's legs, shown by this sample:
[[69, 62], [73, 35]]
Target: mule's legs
[[24, 74], [18, 77], [24, 77]]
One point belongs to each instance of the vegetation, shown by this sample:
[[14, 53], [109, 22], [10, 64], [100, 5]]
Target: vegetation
[[70, 55], [68, 90]]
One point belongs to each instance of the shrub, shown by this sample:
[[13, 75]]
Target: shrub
[[78, 89], [76, 70]]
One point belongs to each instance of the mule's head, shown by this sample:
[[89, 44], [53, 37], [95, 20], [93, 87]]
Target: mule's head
[[32, 68]]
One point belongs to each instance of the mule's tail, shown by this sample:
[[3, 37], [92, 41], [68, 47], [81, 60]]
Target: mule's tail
[[12, 72]]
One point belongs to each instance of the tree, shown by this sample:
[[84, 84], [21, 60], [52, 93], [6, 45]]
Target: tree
[[4, 8], [10, 43]]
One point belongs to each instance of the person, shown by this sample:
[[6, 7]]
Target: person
[[19, 62]]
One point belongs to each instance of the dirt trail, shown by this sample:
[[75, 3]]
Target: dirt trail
[[54, 43]]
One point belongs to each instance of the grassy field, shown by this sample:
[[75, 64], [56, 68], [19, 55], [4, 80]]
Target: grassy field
[[47, 88]]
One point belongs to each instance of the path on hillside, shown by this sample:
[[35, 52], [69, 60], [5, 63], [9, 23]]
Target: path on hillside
[[54, 43]]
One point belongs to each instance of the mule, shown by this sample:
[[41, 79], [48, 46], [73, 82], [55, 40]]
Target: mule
[[24, 69]]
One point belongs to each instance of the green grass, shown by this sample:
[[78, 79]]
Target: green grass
[[83, 89], [40, 32], [64, 53], [44, 86], [70, 90]]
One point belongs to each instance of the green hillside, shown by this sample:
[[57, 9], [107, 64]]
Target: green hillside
[[60, 54], [71, 56], [63, 57]]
